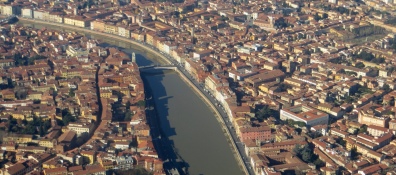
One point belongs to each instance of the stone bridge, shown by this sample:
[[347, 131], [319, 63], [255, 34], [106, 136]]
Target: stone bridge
[[6, 20], [157, 67]]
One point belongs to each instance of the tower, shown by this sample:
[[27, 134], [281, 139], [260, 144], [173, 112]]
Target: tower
[[133, 57]]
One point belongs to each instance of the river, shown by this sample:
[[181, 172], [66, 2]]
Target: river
[[190, 132]]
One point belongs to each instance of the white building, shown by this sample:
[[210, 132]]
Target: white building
[[27, 13], [38, 14], [122, 145], [7, 10], [81, 128], [306, 114], [124, 162]]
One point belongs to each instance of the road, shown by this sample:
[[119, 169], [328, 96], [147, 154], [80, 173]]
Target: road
[[220, 110]]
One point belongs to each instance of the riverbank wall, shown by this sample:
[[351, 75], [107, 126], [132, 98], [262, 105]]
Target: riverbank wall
[[154, 52]]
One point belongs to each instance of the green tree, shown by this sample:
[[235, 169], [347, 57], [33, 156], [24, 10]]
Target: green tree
[[359, 65], [67, 119], [29, 129], [41, 131], [71, 92], [264, 113], [283, 87], [304, 152], [363, 129], [317, 17], [10, 83], [128, 116], [354, 154], [141, 103], [349, 99], [386, 87], [325, 16], [319, 163]]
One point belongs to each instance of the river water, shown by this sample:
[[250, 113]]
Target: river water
[[188, 126]]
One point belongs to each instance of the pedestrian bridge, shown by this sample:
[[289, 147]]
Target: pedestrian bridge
[[157, 67]]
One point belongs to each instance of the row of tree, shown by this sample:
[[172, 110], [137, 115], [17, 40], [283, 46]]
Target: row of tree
[[21, 60], [35, 126], [366, 56], [292, 123], [368, 30]]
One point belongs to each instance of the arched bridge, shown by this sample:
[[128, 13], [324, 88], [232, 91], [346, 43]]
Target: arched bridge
[[6, 20], [157, 67]]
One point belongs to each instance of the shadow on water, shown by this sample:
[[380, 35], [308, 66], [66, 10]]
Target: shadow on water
[[158, 99]]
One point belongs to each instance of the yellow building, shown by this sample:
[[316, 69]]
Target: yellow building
[[105, 93], [35, 95], [90, 156], [46, 143], [111, 28], [8, 94], [18, 115], [74, 73], [18, 138], [107, 164], [78, 21], [150, 38], [55, 17]]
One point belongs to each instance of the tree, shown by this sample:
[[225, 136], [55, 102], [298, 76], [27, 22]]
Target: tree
[[363, 129], [283, 87], [305, 152], [264, 113], [67, 119], [354, 153], [386, 88], [281, 23], [10, 83], [141, 103], [319, 163], [268, 9], [29, 129], [128, 116], [359, 65], [317, 17], [348, 99], [71, 92], [41, 131], [224, 18], [341, 142], [325, 16]]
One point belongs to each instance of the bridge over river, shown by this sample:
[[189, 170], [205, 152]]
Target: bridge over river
[[7, 19], [157, 67]]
